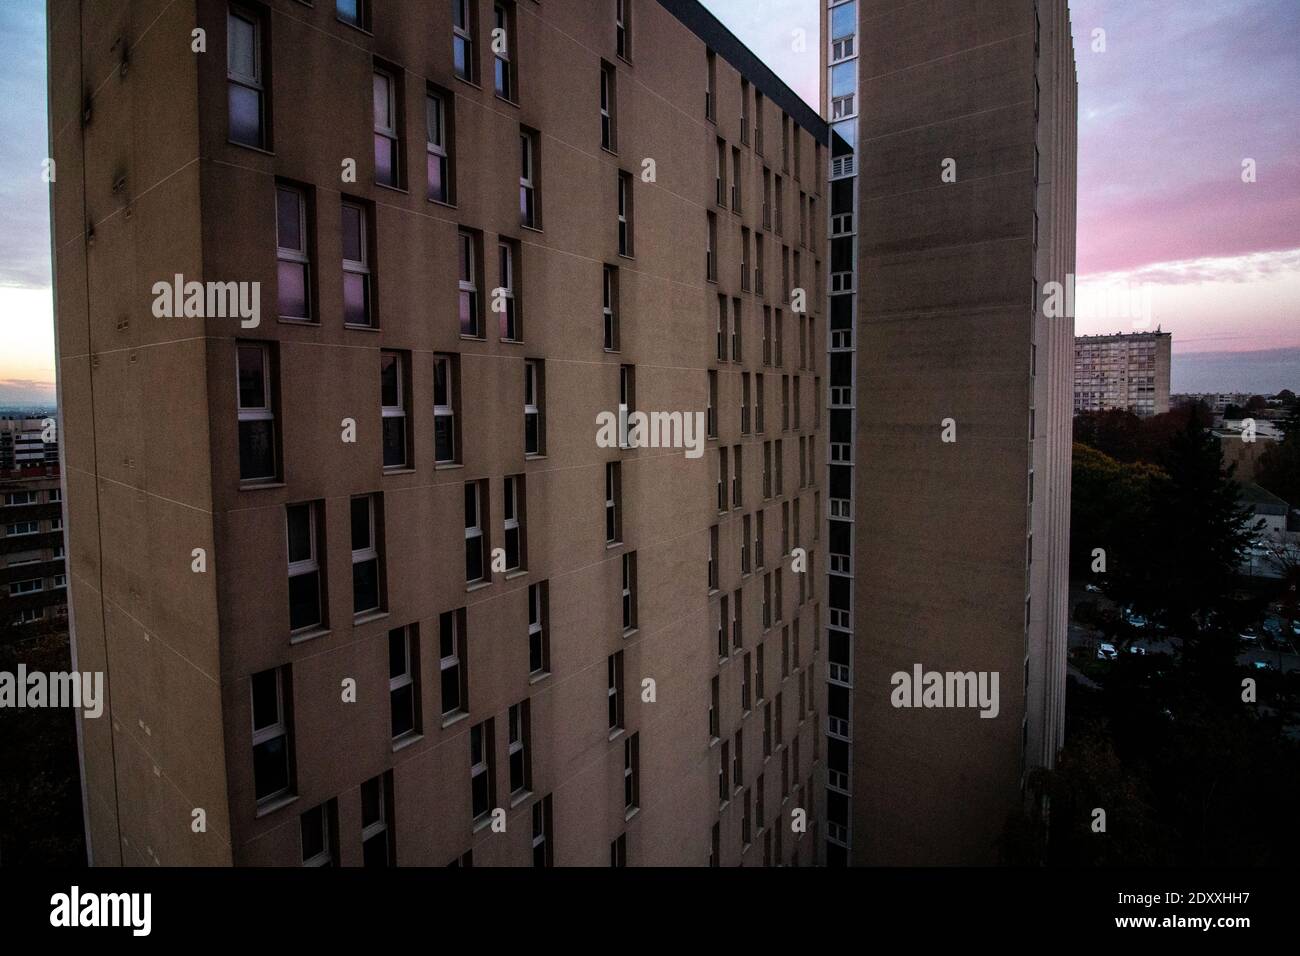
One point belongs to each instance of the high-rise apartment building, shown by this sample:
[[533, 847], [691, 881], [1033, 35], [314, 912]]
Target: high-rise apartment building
[[33, 579], [952, 198], [343, 290], [1128, 371]]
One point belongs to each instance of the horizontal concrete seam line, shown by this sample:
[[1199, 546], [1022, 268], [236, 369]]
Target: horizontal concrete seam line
[[939, 59], [455, 482], [869, 200], [116, 350], [930, 250], [156, 636], [134, 199], [135, 738], [152, 494], [943, 122], [95, 93]]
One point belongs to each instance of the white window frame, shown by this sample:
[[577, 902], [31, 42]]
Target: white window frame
[[622, 33], [447, 410], [467, 284], [263, 412], [378, 828], [536, 629], [255, 81], [515, 745], [612, 480], [506, 279], [533, 406], [608, 311], [480, 767], [404, 680], [31, 586], [624, 222], [453, 661], [435, 122], [398, 410], [310, 564], [527, 187], [505, 87], [371, 551], [278, 728], [299, 255], [476, 530], [388, 130], [607, 140], [510, 520], [462, 27], [361, 267]]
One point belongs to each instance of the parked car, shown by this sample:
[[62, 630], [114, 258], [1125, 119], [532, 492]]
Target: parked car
[[1140, 651], [1136, 620], [1106, 652], [1092, 589], [1263, 666], [1249, 635]]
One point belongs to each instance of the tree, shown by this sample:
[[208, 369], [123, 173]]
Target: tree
[[1278, 469], [1114, 432], [1194, 538], [1109, 504]]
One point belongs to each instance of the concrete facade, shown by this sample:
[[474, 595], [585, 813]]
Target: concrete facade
[[950, 413], [180, 570]]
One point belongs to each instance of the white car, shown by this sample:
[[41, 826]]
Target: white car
[[1248, 636], [1140, 651], [1106, 652], [1092, 589]]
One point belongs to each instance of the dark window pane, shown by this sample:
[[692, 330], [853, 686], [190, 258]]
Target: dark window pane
[[288, 219], [349, 11], [351, 228], [437, 177], [388, 381], [468, 313], [313, 832], [252, 380], [271, 767], [365, 586], [396, 653], [473, 559], [403, 708], [374, 852], [356, 299], [450, 690], [299, 520], [304, 600], [245, 115], [266, 700], [471, 506], [532, 445], [291, 283], [360, 523], [443, 438], [480, 792], [256, 450], [371, 811], [385, 160]]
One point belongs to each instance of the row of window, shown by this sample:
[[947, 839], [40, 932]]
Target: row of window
[[14, 499], [790, 141], [17, 528]]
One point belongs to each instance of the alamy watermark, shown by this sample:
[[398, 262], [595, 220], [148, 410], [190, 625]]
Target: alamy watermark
[[1130, 301], [57, 689], [626, 429], [922, 688], [208, 300]]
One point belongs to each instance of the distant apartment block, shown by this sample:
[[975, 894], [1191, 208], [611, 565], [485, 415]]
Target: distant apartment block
[[23, 444], [363, 580], [1126, 371], [33, 579], [952, 205]]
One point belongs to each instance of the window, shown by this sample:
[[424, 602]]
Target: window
[[376, 835], [529, 206], [353, 12], [293, 268], [481, 785], [394, 408], [744, 396], [305, 593], [629, 592], [444, 409], [470, 318], [542, 832], [357, 292], [626, 392], [744, 111], [453, 662], [746, 821], [318, 831], [758, 402], [614, 666], [735, 332], [257, 438], [609, 308], [722, 479], [618, 851], [463, 17], [508, 267], [534, 433], [388, 114], [713, 559], [744, 685], [517, 740], [758, 122], [438, 129], [608, 103], [737, 479], [476, 567], [714, 705], [539, 647], [365, 555], [514, 522], [613, 497], [623, 28], [710, 84], [744, 259], [624, 214], [711, 418], [26, 587], [404, 681], [724, 771], [735, 179], [503, 17], [22, 527], [631, 773], [245, 79], [16, 498], [711, 249], [720, 175], [272, 746]]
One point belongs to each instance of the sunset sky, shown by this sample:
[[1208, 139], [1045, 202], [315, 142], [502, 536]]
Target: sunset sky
[[1183, 93]]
